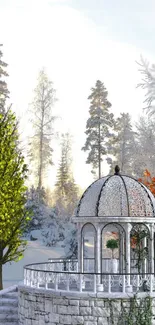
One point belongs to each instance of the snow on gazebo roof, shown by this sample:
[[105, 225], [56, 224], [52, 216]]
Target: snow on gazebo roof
[[116, 195]]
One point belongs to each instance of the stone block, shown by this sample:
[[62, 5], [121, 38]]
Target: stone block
[[98, 311], [103, 321], [65, 319], [60, 301], [26, 303], [35, 322], [90, 323], [84, 303], [40, 306], [54, 309], [100, 303], [48, 306], [40, 298], [116, 305], [28, 322], [68, 310], [41, 320], [90, 318], [126, 303], [74, 302], [85, 311], [32, 297], [91, 303], [54, 318], [26, 313], [62, 310], [73, 310], [37, 315], [46, 319], [31, 312], [77, 320]]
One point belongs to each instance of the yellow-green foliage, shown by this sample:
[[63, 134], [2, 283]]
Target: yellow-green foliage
[[13, 216]]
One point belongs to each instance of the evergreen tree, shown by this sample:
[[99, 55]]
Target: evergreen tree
[[98, 127], [66, 192], [4, 93], [148, 84], [121, 145], [13, 215], [42, 121], [36, 205], [144, 157]]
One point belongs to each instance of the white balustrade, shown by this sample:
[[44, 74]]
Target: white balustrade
[[95, 279], [137, 281], [151, 282], [123, 283], [109, 283], [63, 276], [80, 282]]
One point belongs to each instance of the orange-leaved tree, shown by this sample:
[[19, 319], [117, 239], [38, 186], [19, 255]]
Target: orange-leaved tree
[[148, 181]]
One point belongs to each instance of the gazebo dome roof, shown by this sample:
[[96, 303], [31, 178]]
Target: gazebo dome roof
[[116, 196]]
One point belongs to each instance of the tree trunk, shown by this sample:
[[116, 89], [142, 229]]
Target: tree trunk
[[1, 280], [40, 171], [99, 152], [40, 162]]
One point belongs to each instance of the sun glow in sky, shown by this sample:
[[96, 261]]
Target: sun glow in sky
[[76, 48]]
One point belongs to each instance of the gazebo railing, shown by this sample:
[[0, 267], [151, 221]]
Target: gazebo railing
[[63, 276]]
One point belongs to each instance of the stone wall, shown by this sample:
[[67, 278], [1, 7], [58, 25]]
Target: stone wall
[[40, 307]]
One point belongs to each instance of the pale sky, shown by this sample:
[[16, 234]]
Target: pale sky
[[78, 42]]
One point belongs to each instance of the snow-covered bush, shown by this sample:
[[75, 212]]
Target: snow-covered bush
[[37, 207], [52, 231], [48, 226], [70, 239]]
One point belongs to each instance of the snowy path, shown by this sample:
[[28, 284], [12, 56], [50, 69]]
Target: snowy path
[[35, 252]]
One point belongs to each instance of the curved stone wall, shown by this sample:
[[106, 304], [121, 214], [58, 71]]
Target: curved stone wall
[[41, 307]]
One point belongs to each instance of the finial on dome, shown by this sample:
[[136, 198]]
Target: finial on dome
[[117, 170]]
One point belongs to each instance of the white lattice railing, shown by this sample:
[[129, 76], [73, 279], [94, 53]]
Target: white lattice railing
[[64, 276]]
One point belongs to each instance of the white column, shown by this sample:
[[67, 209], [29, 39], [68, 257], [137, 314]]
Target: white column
[[121, 252], [98, 258], [145, 259], [98, 250], [128, 229], [80, 249], [152, 256], [152, 248]]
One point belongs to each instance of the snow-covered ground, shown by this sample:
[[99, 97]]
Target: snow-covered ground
[[35, 252]]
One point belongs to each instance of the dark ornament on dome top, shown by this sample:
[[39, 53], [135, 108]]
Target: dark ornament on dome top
[[117, 170]]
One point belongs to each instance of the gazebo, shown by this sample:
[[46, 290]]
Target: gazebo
[[120, 208]]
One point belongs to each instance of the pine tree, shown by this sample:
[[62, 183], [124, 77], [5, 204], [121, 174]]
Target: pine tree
[[36, 205], [148, 84], [121, 145], [13, 171], [144, 157], [98, 127], [4, 93], [66, 191], [42, 121]]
